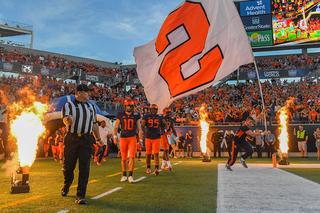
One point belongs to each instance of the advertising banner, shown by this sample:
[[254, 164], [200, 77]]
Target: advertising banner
[[260, 38], [255, 8], [275, 74], [256, 23], [27, 69]]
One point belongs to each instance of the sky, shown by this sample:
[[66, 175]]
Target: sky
[[106, 30]]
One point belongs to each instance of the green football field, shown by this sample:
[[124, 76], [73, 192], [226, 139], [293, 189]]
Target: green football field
[[190, 187]]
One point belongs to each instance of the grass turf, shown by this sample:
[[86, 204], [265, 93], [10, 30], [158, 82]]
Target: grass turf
[[191, 187]]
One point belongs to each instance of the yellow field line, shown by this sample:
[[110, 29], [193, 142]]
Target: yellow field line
[[119, 173], [135, 168], [21, 201], [91, 181], [144, 166]]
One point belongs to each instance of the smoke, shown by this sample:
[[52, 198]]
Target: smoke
[[11, 166]]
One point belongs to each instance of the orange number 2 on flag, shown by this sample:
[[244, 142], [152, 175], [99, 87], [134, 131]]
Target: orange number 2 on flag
[[193, 18]]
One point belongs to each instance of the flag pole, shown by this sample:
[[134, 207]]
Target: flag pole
[[261, 93]]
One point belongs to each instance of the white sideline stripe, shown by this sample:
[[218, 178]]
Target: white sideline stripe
[[106, 193], [177, 163], [63, 211], [160, 170], [140, 179], [262, 188]]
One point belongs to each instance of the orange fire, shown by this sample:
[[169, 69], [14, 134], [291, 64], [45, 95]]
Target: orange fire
[[283, 136], [204, 129], [26, 128]]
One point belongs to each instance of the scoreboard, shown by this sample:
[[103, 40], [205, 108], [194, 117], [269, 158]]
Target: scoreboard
[[274, 22]]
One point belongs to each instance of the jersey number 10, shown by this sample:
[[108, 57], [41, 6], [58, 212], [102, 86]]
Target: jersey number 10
[[128, 124]]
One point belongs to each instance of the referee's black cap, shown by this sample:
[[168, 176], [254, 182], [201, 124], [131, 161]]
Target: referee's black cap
[[84, 87]]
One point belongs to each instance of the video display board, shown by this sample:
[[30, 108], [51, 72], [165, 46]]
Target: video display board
[[295, 21]]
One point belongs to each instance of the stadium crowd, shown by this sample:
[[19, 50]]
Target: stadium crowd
[[283, 63], [61, 63], [266, 63], [226, 104]]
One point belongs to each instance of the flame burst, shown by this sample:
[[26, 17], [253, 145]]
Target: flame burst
[[284, 136], [204, 129], [26, 128]]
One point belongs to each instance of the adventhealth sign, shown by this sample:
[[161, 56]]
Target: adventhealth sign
[[253, 8]]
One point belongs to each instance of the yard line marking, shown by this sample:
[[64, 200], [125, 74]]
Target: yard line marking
[[91, 181], [159, 171], [119, 173], [21, 201], [63, 211], [106, 193], [144, 166], [135, 168], [177, 163], [140, 179]]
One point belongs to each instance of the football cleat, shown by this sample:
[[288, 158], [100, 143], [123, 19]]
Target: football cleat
[[95, 159], [139, 159], [55, 159], [156, 172], [243, 163], [98, 163], [119, 154], [148, 171], [60, 161], [163, 168], [169, 168], [130, 179], [228, 167], [104, 160], [123, 178]]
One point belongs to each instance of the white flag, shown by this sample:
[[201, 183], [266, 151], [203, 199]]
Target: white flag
[[200, 42]]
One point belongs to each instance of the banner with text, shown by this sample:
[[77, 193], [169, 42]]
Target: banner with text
[[254, 8], [256, 23], [275, 74], [260, 38]]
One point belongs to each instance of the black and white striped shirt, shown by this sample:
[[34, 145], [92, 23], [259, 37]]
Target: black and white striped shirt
[[84, 116]]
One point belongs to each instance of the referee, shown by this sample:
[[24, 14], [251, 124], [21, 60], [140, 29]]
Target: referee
[[81, 120]]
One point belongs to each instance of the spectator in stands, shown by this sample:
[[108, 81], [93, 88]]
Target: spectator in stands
[[313, 115]]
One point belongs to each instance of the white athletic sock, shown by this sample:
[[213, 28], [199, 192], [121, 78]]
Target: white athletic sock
[[164, 162], [168, 162], [242, 159]]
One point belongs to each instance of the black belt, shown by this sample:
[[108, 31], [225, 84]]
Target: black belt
[[79, 135]]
